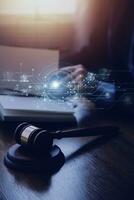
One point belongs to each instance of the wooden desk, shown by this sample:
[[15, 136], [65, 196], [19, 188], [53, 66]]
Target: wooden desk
[[96, 169]]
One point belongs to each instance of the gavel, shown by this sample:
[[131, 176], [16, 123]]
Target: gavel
[[41, 140], [35, 150]]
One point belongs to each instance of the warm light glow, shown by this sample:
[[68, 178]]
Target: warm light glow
[[41, 7]]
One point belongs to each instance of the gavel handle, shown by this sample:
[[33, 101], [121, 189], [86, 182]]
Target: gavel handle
[[86, 132]]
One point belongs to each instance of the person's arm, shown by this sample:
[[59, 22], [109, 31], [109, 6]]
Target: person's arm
[[102, 93], [109, 98]]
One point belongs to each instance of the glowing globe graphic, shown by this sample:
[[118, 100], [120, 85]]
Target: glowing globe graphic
[[59, 85]]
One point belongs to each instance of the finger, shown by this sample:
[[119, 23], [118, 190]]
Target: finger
[[79, 78], [75, 74], [69, 70], [72, 68], [79, 74]]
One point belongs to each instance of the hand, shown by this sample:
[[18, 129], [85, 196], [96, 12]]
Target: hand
[[77, 73], [84, 111]]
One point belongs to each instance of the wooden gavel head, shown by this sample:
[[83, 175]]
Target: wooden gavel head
[[34, 151], [33, 138]]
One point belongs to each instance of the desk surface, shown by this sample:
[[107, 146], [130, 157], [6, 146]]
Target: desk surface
[[95, 169]]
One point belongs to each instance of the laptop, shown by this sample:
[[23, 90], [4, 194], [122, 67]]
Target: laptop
[[24, 70]]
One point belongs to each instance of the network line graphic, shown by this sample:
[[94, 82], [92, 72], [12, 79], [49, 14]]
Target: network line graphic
[[59, 85]]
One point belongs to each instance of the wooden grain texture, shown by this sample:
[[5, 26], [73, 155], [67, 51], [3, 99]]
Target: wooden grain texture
[[95, 169]]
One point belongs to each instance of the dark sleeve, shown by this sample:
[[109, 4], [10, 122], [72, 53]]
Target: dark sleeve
[[110, 95]]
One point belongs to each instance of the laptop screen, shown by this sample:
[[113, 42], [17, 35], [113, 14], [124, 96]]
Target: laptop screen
[[25, 68]]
